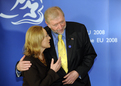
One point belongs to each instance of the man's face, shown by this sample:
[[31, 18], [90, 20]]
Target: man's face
[[58, 24]]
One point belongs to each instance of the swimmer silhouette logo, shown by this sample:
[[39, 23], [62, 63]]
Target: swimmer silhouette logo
[[35, 15]]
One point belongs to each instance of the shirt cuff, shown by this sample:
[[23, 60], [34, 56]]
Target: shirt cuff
[[18, 73], [80, 77]]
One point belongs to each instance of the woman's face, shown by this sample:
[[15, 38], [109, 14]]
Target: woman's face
[[46, 40]]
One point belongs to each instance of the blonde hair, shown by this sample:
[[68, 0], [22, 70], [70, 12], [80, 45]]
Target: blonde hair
[[33, 40], [52, 13]]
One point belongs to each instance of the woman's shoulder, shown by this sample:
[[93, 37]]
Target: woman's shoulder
[[28, 58]]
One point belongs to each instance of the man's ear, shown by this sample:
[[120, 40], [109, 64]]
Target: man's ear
[[47, 24]]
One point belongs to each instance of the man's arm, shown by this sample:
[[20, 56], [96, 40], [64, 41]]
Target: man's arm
[[22, 66], [88, 55]]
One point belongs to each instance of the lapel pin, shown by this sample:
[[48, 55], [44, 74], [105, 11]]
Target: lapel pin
[[72, 38], [69, 46]]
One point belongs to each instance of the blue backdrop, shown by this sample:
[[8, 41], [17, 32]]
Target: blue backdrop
[[101, 17]]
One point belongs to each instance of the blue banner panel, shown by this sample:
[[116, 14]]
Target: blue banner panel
[[102, 19]]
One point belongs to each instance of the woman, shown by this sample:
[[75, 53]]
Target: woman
[[40, 73]]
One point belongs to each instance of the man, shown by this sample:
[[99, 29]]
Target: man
[[79, 50]]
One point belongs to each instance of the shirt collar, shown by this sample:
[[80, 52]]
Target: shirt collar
[[56, 35]]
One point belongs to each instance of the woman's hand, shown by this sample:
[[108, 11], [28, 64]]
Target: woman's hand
[[55, 66]]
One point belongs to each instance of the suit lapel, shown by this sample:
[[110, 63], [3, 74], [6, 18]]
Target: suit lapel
[[52, 48], [70, 37]]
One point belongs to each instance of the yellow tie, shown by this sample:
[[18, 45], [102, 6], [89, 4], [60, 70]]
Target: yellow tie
[[62, 53]]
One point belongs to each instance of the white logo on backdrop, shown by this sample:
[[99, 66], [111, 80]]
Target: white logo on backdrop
[[35, 11]]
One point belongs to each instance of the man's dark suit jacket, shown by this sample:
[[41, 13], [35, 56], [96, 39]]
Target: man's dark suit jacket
[[38, 74], [80, 53]]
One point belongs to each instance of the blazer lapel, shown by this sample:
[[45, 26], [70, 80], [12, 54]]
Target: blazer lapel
[[52, 47], [70, 37], [52, 50]]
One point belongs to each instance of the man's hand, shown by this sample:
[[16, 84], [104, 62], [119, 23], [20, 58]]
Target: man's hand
[[23, 65], [70, 77]]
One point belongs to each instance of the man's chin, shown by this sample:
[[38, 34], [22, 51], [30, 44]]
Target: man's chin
[[60, 32]]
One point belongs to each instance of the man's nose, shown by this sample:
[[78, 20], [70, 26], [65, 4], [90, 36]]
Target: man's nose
[[59, 26]]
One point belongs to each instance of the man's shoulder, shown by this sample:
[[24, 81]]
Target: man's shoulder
[[46, 28], [75, 26], [73, 23]]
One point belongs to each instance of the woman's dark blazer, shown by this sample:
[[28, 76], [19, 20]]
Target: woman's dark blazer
[[80, 53], [38, 74]]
